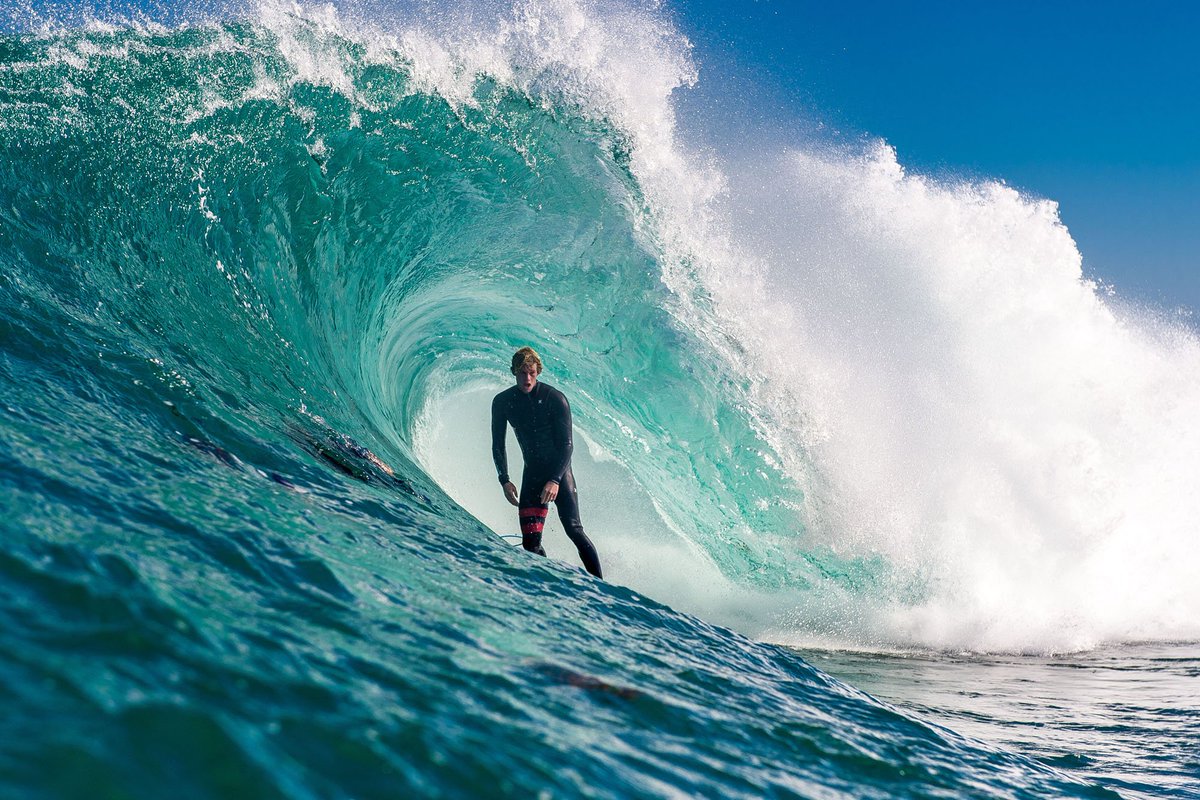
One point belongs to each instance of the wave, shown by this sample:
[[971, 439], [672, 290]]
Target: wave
[[844, 402]]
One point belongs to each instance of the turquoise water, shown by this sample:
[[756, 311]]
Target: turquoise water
[[259, 279]]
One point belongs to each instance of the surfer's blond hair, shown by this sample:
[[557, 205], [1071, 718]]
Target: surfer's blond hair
[[525, 357]]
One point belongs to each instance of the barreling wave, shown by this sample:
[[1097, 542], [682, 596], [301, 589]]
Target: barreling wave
[[873, 407]]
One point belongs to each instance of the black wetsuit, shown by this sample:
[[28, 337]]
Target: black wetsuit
[[542, 422]]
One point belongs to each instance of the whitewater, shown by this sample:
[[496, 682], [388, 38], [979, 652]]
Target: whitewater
[[892, 499]]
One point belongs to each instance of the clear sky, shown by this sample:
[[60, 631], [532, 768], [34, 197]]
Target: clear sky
[[1093, 104]]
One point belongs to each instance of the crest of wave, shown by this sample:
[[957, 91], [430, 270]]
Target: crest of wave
[[613, 61], [617, 62]]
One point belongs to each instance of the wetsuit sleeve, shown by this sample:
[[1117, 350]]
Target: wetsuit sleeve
[[561, 431], [499, 453]]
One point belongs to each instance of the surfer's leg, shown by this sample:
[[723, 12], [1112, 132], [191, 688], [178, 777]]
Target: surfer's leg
[[568, 511], [532, 515]]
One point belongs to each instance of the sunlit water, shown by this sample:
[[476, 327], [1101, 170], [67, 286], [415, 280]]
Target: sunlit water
[[1127, 717], [260, 277]]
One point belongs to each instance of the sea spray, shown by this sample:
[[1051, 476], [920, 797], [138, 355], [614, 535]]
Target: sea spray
[[970, 407]]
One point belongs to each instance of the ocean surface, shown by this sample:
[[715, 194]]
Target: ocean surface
[[892, 501]]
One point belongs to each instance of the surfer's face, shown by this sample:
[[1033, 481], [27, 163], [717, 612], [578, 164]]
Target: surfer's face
[[526, 378]]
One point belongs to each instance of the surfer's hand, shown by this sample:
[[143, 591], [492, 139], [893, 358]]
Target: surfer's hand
[[510, 493], [549, 492]]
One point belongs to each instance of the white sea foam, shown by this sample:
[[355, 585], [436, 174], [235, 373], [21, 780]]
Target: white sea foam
[[931, 358]]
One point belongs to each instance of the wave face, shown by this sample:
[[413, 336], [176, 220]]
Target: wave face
[[260, 278]]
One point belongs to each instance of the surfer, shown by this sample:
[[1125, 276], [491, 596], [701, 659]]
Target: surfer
[[541, 418]]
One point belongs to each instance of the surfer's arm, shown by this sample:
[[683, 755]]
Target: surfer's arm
[[562, 437], [499, 453]]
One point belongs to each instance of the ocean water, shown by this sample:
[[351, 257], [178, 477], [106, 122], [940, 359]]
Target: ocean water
[[892, 501]]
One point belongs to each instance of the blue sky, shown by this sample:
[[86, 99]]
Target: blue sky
[[1093, 104]]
